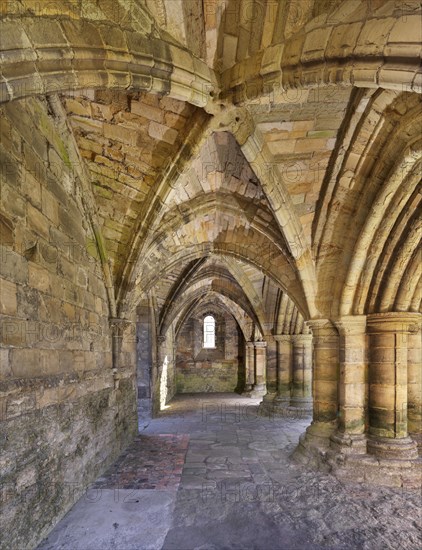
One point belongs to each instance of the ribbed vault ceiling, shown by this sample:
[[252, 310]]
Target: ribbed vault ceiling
[[262, 154]]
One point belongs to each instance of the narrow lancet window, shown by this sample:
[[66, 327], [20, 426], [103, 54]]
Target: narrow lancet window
[[209, 332]]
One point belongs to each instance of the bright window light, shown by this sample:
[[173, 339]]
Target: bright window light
[[209, 332]]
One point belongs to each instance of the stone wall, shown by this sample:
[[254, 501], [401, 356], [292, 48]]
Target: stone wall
[[209, 370], [64, 415]]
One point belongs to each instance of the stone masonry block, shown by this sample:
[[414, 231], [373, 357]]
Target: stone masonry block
[[405, 37], [315, 44], [343, 40], [373, 37], [162, 133], [82, 33], [44, 32], [8, 302]]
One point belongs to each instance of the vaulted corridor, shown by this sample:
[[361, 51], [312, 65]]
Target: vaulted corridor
[[238, 489], [219, 198]]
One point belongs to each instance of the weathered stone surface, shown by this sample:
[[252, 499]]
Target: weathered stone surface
[[251, 500], [208, 370], [254, 159], [46, 339]]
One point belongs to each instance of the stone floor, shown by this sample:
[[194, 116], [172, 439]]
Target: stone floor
[[237, 490]]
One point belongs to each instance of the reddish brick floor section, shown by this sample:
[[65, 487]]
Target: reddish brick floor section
[[151, 462]]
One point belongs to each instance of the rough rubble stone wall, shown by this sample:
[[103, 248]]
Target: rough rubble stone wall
[[64, 416], [209, 370]]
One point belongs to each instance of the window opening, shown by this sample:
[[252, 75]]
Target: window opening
[[209, 332]]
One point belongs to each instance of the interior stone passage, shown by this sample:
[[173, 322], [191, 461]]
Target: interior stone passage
[[207, 206]]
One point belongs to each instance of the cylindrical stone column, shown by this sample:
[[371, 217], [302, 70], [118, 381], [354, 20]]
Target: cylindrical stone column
[[284, 367], [388, 348], [353, 386], [301, 394], [414, 387], [325, 383], [271, 376], [260, 386], [249, 366]]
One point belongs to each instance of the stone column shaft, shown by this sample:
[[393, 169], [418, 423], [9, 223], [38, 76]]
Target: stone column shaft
[[284, 367], [388, 431], [414, 387], [249, 366], [260, 386], [353, 387], [325, 382], [301, 394]]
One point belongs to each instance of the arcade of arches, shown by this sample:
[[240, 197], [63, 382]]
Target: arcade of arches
[[256, 161]]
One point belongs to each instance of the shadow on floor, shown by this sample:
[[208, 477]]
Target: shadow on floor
[[211, 473]]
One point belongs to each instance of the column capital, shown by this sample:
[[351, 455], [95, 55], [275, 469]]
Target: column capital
[[301, 338], [282, 337], [349, 325], [323, 327], [393, 322], [249, 344], [161, 339], [118, 325], [260, 344]]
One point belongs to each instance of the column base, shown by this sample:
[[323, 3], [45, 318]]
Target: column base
[[348, 444], [269, 397], [417, 438], [266, 407], [282, 407], [282, 400], [397, 449], [371, 470], [318, 433], [316, 440], [347, 460], [276, 406], [314, 444], [248, 389], [301, 403], [259, 390]]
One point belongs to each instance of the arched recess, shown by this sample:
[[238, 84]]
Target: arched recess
[[221, 368], [376, 180], [394, 219], [387, 241], [289, 320], [408, 296], [235, 251], [203, 298], [402, 245], [200, 285], [223, 274]]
